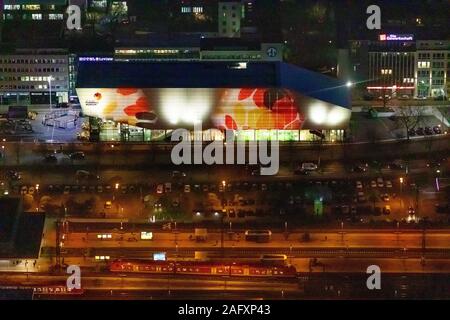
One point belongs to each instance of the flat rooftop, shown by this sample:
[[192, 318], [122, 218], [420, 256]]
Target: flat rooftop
[[20, 232], [208, 74]]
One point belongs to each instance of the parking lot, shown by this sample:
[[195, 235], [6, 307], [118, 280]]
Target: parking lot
[[350, 200]]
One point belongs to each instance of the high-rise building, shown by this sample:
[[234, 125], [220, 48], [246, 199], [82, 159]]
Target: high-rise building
[[230, 15], [432, 68], [397, 65], [27, 74], [34, 10]]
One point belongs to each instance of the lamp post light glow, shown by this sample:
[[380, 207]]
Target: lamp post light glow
[[49, 80], [349, 84]]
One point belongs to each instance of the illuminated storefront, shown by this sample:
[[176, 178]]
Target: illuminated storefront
[[147, 101]]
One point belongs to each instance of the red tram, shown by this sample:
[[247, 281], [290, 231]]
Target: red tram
[[202, 268]]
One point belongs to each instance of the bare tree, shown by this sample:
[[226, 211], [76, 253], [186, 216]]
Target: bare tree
[[409, 117]]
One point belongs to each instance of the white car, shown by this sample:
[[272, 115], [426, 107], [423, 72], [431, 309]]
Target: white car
[[359, 185], [388, 184], [31, 190], [168, 187], [309, 166], [373, 184], [187, 188], [160, 189]]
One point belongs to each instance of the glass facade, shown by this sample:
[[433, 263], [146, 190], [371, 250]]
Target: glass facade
[[110, 132]]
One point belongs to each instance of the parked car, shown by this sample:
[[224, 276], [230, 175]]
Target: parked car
[[108, 205], [23, 190], [359, 168], [50, 158], [380, 183], [14, 175], [187, 188], [420, 131], [385, 197], [178, 174], [412, 132], [373, 184], [79, 155], [437, 129], [428, 131], [387, 210], [160, 188], [359, 185], [361, 197], [309, 166], [395, 165]]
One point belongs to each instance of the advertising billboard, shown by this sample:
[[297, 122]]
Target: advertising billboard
[[220, 108]]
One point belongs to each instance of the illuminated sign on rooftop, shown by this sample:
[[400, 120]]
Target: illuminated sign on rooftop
[[396, 37], [95, 59]]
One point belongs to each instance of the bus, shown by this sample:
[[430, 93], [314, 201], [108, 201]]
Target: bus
[[258, 235]]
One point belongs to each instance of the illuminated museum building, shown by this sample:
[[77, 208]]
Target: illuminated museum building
[[146, 101]]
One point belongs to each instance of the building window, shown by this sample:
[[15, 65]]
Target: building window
[[197, 9], [36, 16], [99, 3], [423, 64], [185, 9], [55, 16], [386, 71], [12, 7], [31, 7]]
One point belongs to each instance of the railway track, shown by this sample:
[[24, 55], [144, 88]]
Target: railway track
[[133, 252]]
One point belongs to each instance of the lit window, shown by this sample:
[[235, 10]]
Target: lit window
[[31, 7], [55, 16], [12, 7], [36, 16], [185, 9]]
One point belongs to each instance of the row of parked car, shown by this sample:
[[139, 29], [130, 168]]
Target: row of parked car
[[346, 210], [427, 131], [51, 157], [67, 189]]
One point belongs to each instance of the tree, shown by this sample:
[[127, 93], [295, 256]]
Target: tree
[[409, 117]]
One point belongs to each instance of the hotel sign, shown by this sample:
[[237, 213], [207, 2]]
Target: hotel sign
[[396, 37]]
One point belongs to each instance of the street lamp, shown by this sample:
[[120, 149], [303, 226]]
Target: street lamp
[[49, 80]]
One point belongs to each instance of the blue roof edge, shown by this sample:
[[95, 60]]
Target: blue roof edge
[[313, 84]]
